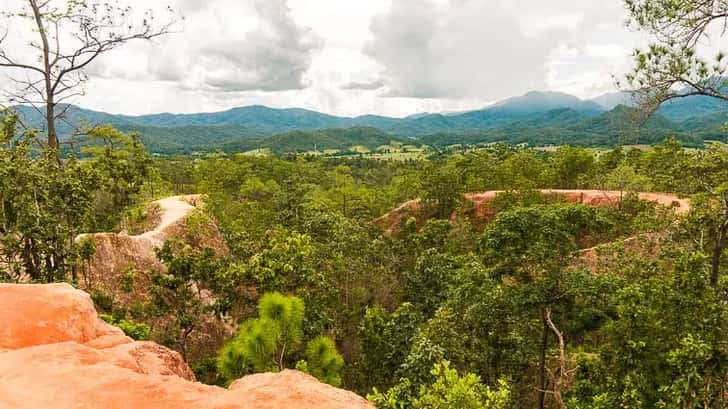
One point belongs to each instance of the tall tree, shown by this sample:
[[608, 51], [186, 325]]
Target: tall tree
[[68, 36], [673, 67]]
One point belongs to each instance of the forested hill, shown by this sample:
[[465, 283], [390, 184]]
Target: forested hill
[[537, 118]]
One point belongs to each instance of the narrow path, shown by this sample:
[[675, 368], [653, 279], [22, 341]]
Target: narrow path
[[173, 210]]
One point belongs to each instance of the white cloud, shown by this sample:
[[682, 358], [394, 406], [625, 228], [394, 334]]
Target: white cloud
[[393, 57]]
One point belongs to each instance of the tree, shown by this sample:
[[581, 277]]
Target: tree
[[68, 39], [710, 171], [672, 66], [449, 390], [443, 189], [43, 207], [323, 361], [262, 343], [665, 341], [177, 294], [267, 342], [570, 165], [533, 245], [124, 166], [384, 342], [625, 179]]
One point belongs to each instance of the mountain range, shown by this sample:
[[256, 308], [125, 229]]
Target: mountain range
[[536, 118]]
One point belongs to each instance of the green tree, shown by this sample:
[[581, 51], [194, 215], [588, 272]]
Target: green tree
[[262, 343], [443, 189], [533, 245], [177, 294], [124, 167], [449, 390], [268, 342], [665, 344], [44, 205], [323, 360], [673, 66], [571, 166]]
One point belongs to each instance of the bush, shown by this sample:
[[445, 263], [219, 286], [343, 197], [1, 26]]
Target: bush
[[324, 361], [135, 330]]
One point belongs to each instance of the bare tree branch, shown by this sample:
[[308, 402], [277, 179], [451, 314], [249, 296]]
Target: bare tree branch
[[91, 28]]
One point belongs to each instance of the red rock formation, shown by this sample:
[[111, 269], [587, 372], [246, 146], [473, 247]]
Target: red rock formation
[[482, 212], [56, 353], [118, 252]]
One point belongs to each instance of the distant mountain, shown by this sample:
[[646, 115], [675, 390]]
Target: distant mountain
[[543, 101], [516, 109], [612, 99], [681, 109], [542, 117], [678, 109], [710, 121], [561, 117], [341, 139], [622, 123]]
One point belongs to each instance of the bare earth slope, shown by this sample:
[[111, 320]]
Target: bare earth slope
[[118, 252], [56, 353], [482, 212]]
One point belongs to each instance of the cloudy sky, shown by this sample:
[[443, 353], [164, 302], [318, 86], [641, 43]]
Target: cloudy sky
[[346, 57]]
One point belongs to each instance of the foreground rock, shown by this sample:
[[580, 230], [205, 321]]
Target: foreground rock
[[56, 353]]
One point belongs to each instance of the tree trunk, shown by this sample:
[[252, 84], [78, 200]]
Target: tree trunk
[[51, 122], [542, 362], [50, 114], [718, 252], [558, 379]]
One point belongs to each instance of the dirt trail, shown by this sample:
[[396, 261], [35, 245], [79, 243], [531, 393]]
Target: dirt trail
[[173, 210], [117, 252]]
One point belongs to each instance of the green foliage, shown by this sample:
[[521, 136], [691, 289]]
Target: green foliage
[[384, 342], [102, 301], [524, 241], [323, 360], [449, 390], [123, 166], [664, 347], [266, 343], [44, 205], [136, 330], [287, 312], [443, 189], [262, 343], [175, 294]]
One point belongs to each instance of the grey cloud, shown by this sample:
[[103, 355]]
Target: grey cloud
[[188, 6], [273, 58], [364, 85], [466, 49]]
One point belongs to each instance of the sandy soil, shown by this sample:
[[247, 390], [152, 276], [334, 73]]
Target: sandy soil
[[173, 210]]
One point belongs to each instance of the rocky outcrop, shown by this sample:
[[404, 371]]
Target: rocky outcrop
[[118, 252], [480, 210], [56, 353]]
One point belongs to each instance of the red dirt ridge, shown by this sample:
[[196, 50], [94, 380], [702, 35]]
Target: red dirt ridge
[[481, 211], [56, 353]]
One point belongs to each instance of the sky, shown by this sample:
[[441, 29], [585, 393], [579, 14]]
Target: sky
[[348, 57]]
